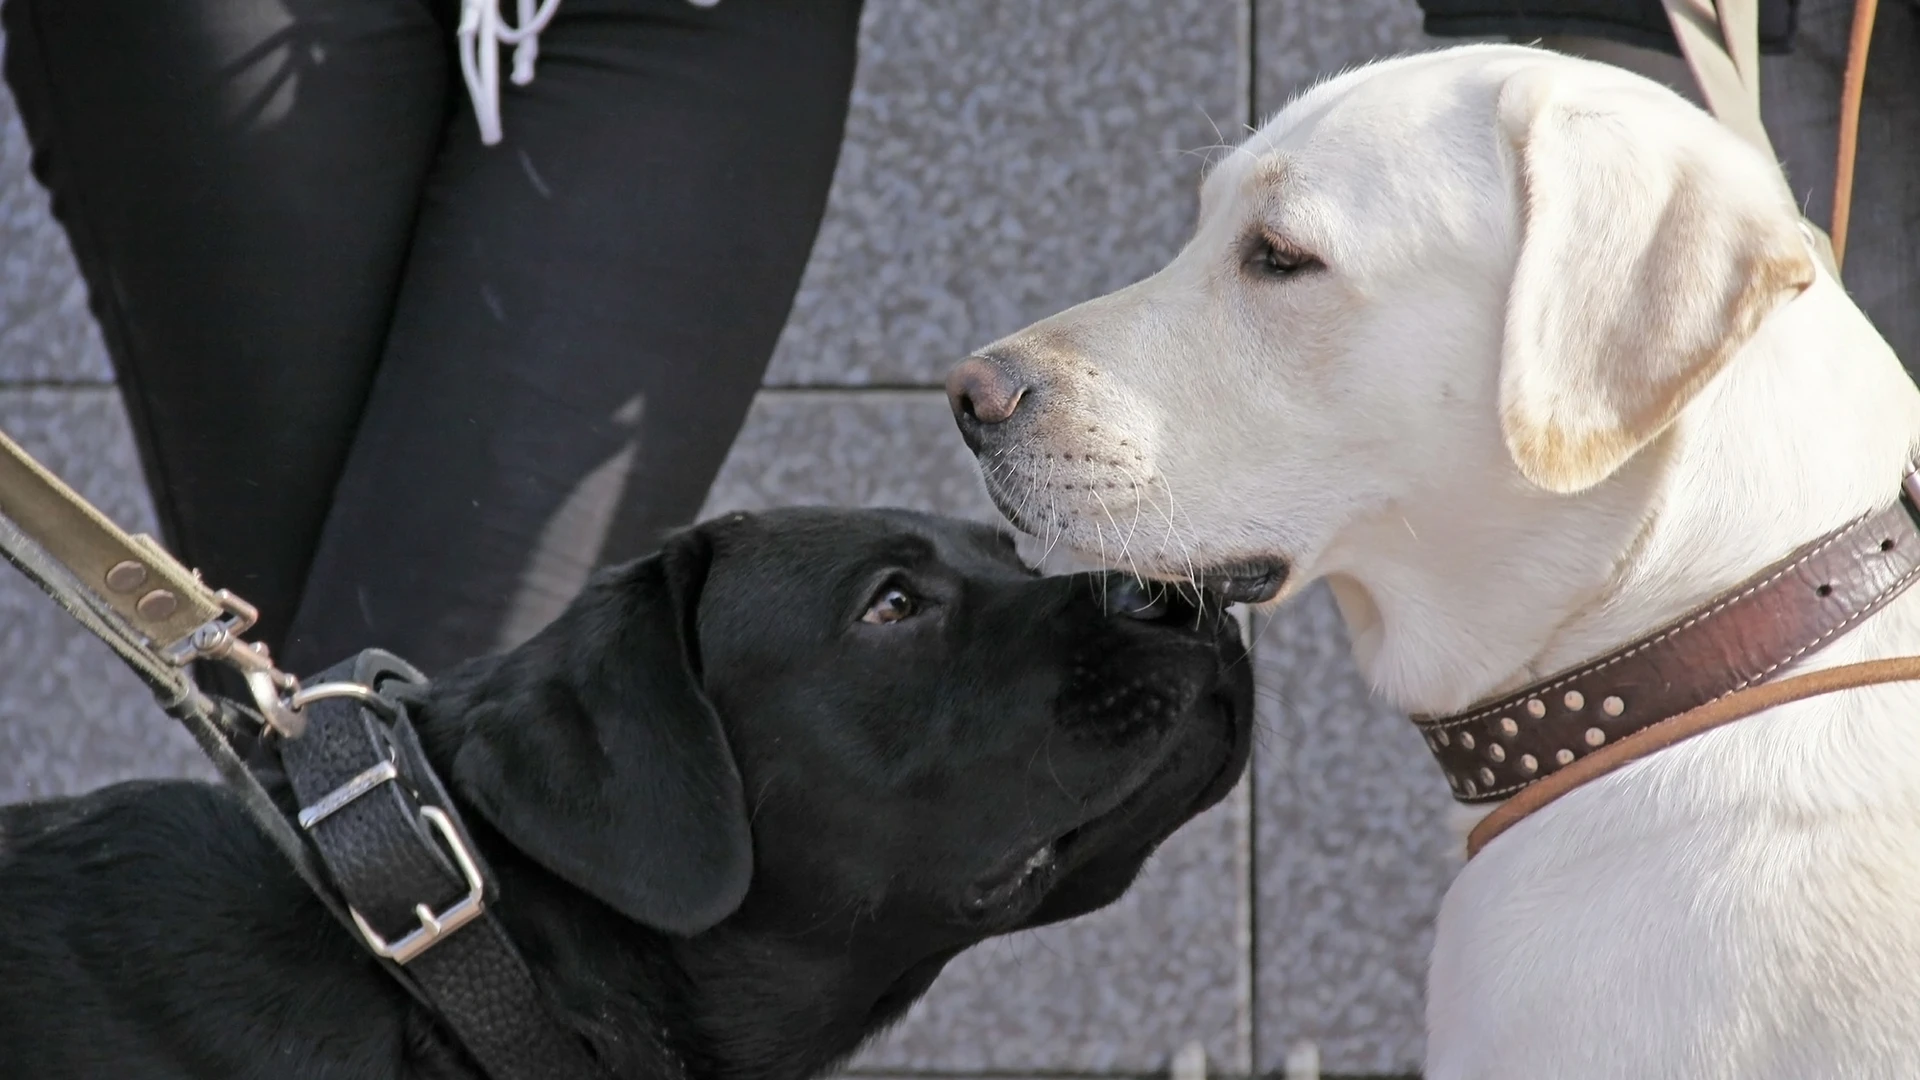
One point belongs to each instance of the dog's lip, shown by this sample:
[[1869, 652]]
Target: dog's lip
[[1033, 871], [1033, 874], [1246, 581]]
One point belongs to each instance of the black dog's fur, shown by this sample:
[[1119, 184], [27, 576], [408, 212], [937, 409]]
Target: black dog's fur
[[737, 827]]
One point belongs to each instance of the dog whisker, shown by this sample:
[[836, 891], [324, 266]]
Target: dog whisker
[[1134, 525], [1186, 552], [1053, 510]]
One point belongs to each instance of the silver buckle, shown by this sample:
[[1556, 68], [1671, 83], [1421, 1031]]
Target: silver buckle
[[433, 927]]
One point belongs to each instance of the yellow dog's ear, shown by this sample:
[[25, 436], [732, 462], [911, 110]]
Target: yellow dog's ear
[[1653, 242]]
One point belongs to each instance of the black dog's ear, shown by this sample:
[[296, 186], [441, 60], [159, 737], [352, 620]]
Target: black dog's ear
[[593, 749]]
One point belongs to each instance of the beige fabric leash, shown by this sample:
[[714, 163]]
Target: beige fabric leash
[[1721, 43], [163, 600], [1736, 706], [151, 610]]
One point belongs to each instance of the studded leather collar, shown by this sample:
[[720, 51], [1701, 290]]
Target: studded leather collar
[[1738, 639]]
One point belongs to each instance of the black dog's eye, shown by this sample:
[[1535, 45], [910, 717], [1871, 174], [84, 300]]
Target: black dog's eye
[[1273, 260], [892, 605]]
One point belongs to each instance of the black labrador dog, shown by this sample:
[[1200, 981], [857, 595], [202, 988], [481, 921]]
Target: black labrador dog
[[745, 798]]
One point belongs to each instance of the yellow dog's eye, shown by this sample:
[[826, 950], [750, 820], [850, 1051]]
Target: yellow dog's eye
[[1271, 259], [890, 606]]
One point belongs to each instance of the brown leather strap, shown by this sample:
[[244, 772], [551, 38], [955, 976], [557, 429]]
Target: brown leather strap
[[1688, 724], [1852, 87], [1492, 751]]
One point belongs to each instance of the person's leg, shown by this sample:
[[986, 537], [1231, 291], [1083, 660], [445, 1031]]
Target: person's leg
[[238, 179], [587, 312]]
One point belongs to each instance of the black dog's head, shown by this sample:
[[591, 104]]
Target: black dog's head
[[815, 754]]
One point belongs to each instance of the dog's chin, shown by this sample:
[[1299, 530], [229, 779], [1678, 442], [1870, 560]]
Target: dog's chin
[[1012, 889], [1088, 866], [1242, 581], [1252, 581]]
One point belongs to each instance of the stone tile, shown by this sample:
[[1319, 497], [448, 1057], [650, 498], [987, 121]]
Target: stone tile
[[850, 448], [71, 717], [1119, 991], [46, 331], [1297, 45], [1006, 159], [866, 1074], [861, 448], [1353, 854]]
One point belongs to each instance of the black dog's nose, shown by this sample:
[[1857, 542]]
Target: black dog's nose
[[1147, 601], [984, 392]]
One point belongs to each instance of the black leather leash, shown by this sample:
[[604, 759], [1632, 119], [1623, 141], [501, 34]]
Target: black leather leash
[[375, 836]]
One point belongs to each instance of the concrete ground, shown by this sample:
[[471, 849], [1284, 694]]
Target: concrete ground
[[1006, 158]]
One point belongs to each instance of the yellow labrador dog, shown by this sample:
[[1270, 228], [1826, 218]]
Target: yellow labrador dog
[[1526, 356]]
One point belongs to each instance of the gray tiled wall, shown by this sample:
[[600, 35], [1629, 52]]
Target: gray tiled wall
[[46, 332], [71, 718], [1006, 158]]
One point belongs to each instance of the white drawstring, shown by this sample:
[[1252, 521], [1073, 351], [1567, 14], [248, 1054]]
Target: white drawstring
[[482, 31]]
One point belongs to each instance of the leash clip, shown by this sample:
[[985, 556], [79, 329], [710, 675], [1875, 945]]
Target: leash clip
[[274, 691], [277, 694]]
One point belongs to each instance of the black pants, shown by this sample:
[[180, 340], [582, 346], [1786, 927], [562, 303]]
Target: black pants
[[392, 386], [1642, 23]]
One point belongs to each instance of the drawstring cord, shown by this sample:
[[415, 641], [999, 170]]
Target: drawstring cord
[[482, 31]]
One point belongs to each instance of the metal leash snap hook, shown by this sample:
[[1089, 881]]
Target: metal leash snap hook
[[272, 688]]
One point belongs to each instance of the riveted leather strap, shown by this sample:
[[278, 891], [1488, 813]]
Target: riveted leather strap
[[1714, 714], [1738, 640]]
